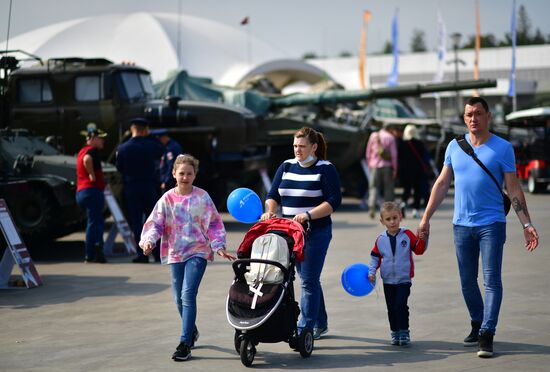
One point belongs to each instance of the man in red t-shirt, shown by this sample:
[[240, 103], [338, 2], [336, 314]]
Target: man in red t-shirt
[[90, 184]]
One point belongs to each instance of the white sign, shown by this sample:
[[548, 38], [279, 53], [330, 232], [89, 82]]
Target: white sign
[[120, 225], [16, 253]]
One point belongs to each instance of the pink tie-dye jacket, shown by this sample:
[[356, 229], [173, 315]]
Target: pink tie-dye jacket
[[187, 225]]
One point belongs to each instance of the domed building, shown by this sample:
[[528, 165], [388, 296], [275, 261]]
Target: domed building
[[159, 42]]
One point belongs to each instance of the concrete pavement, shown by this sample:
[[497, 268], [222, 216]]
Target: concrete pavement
[[120, 316]]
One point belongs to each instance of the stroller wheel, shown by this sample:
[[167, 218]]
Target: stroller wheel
[[237, 341], [248, 351], [305, 343]]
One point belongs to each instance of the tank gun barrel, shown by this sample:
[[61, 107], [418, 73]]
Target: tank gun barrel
[[338, 96]]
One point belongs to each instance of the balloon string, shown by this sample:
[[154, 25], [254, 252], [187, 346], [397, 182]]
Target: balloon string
[[376, 286]]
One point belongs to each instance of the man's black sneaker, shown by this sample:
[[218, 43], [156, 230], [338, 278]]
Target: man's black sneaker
[[485, 345], [183, 352], [473, 338], [195, 337]]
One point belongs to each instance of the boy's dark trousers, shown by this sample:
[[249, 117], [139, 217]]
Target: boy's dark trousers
[[397, 296]]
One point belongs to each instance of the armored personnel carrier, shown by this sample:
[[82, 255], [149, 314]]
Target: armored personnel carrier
[[39, 186]]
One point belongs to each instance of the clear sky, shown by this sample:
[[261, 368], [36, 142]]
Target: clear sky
[[295, 27]]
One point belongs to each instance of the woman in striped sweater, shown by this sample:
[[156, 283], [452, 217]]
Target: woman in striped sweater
[[307, 188]]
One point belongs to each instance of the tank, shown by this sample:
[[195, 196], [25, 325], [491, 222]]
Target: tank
[[345, 117]]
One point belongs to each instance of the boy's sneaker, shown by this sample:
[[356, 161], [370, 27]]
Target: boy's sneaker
[[318, 332], [395, 338], [404, 338], [485, 345], [473, 338], [183, 352], [195, 337]]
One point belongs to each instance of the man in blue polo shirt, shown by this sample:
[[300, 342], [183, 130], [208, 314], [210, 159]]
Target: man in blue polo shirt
[[479, 222]]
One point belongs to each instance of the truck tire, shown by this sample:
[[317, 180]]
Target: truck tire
[[535, 187]]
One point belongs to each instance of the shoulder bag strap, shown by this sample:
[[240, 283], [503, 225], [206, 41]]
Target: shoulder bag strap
[[465, 146]]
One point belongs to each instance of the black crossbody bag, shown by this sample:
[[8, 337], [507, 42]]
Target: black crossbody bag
[[465, 146]]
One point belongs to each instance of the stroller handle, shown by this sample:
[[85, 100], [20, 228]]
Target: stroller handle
[[237, 263]]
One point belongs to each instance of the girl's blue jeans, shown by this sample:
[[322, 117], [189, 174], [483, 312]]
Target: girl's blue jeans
[[489, 241], [312, 302], [186, 278]]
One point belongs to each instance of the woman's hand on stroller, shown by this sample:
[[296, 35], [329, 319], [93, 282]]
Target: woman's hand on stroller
[[302, 218], [267, 216], [223, 253]]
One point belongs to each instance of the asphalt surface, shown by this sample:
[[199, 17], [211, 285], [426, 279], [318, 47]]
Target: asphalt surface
[[120, 316]]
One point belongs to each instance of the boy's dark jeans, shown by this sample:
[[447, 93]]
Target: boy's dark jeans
[[397, 296]]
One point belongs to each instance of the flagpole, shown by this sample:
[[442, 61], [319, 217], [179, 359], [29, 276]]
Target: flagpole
[[512, 85], [179, 34]]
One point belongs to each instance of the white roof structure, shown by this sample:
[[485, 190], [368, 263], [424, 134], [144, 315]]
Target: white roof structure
[[532, 68], [208, 48]]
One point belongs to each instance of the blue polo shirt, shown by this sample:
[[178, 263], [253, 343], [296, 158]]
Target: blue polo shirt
[[477, 200]]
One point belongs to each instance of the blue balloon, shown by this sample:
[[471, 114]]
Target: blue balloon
[[244, 205], [355, 280]]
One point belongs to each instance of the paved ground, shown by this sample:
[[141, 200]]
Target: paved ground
[[120, 316]]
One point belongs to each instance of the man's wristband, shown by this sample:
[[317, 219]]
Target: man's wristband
[[526, 225], [308, 216]]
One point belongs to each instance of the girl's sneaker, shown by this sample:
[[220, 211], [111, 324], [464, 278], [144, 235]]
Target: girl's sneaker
[[395, 338], [183, 352], [195, 337], [404, 338]]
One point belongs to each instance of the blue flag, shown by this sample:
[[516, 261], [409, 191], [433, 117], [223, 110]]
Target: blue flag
[[512, 88], [392, 79]]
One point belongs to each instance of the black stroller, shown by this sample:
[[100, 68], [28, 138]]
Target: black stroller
[[261, 304]]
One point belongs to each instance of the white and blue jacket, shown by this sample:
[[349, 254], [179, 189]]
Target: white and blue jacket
[[393, 255]]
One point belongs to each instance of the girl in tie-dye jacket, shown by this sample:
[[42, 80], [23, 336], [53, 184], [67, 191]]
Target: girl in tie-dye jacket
[[190, 230]]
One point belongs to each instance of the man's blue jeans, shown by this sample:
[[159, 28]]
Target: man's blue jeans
[[489, 241], [312, 303], [186, 278], [92, 200]]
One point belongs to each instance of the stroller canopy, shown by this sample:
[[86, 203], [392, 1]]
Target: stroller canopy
[[292, 228]]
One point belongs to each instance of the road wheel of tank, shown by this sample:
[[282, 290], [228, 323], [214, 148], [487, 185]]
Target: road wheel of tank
[[34, 214], [248, 351], [305, 343]]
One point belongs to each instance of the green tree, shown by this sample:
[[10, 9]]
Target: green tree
[[485, 41], [388, 48], [539, 37], [418, 41], [523, 31], [344, 54], [309, 55]]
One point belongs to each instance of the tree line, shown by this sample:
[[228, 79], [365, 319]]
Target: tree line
[[524, 36]]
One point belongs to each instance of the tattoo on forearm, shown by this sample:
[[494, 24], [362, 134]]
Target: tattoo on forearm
[[518, 205]]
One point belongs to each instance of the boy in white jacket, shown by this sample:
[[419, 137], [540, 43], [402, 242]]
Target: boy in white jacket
[[392, 253]]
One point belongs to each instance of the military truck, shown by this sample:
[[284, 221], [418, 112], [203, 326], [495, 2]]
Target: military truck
[[36, 180], [58, 97]]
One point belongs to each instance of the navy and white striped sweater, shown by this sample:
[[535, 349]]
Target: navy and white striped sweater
[[298, 189]]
